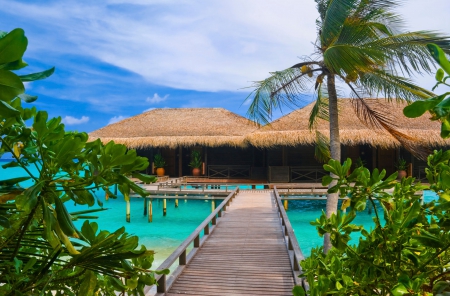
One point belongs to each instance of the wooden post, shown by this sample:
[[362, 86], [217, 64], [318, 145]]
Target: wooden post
[[145, 206], [285, 204], [213, 205], [128, 211], [180, 162], [176, 203], [150, 211], [409, 170], [164, 207], [106, 196]]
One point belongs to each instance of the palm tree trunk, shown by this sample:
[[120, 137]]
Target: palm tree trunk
[[335, 149]]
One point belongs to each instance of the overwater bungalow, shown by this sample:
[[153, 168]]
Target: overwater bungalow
[[234, 148]]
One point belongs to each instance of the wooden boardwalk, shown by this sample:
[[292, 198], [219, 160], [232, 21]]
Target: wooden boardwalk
[[246, 254]]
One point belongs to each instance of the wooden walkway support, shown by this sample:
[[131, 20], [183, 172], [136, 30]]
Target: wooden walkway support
[[246, 253]]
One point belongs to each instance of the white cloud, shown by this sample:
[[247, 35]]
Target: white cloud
[[116, 119], [69, 120], [192, 44], [156, 99]]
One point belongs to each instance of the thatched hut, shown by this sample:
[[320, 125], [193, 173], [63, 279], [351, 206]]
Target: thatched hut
[[217, 133], [179, 127], [290, 142], [235, 147]]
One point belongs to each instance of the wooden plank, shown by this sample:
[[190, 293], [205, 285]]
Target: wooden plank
[[245, 255]]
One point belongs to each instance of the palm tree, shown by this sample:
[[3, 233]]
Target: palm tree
[[360, 43]]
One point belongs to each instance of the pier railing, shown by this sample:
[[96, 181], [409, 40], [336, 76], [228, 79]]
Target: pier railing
[[180, 254], [295, 252]]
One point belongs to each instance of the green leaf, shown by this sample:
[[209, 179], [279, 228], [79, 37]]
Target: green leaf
[[10, 85], [27, 98], [13, 181], [13, 46], [87, 286], [16, 65], [164, 271], [4, 222], [298, 291], [37, 76], [418, 108], [327, 179], [399, 290], [144, 177], [429, 240]]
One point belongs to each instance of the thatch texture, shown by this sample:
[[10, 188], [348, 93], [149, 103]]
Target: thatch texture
[[173, 127], [292, 129]]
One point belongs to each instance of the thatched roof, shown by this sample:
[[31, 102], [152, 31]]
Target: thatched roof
[[292, 129], [173, 127]]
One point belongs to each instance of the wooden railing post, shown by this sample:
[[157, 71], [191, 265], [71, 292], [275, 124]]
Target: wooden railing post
[[197, 241], [206, 231], [182, 259], [161, 284], [213, 221]]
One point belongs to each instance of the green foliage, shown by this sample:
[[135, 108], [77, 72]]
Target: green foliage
[[196, 159], [41, 251], [401, 164], [408, 250], [159, 161], [438, 106]]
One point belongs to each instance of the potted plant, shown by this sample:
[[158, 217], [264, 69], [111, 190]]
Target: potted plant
[[159, 163], [196, 162], [359, 162], [401, 166]]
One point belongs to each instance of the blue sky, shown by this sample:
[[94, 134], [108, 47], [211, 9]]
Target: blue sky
[[116, 58]]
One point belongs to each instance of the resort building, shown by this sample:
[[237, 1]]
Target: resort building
[[235, 148]]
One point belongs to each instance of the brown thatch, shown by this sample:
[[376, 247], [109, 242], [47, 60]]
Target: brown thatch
[[292, 129], [173, 127]]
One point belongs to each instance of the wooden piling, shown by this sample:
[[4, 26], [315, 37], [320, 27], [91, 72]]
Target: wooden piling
[[176, 203], [213, 205], [285, 204], [128, 211], [150, 211], [164, 207]]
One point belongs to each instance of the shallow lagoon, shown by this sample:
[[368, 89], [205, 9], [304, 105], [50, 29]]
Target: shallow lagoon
[[166, 233]]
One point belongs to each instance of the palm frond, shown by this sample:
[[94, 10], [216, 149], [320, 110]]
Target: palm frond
[[409, 51], [283, 88], [382, 83], [379, 118], [337, 12], [322, 149], [347, 58], [320, 108]]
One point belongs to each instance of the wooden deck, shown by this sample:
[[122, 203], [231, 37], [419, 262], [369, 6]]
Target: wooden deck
[[246, 254]]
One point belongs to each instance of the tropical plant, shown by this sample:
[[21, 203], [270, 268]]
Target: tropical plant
[[359, 162], [438, 106], [159, 161], [196, 159], [41, 250], [361, 44], [401, 164], [407, 252]]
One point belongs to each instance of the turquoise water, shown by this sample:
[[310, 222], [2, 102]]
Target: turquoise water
[[302, 212], [166, 233]]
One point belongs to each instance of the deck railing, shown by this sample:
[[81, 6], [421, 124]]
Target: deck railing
[[181, 254], [295, 252], [229, 171]]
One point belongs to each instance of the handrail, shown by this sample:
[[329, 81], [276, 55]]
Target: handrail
[[181, 254], [292, 243]]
